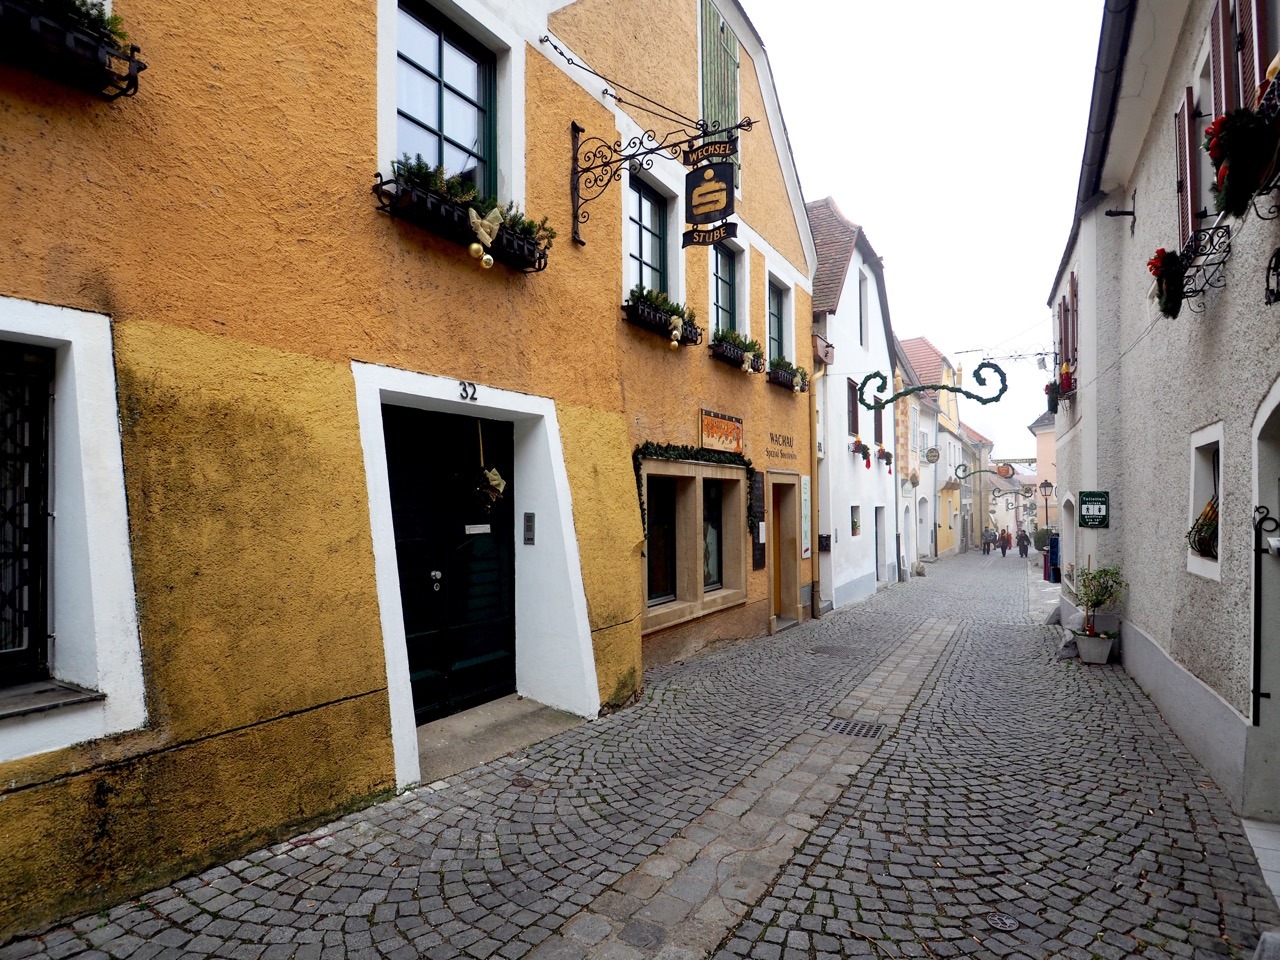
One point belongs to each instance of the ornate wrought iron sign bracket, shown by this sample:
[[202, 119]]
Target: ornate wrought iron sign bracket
[[1263, 522], [883, 381], [598, 163], [1204, 257]]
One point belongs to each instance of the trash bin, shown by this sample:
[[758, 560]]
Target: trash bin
[[1055, 574], [1045, 557]]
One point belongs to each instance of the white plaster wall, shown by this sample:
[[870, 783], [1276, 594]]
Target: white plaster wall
[[849, 571]]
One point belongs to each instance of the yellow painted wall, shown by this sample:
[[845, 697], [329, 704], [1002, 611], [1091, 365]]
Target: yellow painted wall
[[223, 219]]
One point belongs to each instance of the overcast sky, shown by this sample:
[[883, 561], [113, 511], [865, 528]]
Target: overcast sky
[[952, 132]]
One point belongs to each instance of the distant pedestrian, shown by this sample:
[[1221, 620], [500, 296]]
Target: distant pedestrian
[[986, 540], [1024, 543], [1006, 541]]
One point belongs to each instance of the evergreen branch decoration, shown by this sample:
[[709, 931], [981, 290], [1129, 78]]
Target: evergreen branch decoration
[[883, 382], [672, 451]]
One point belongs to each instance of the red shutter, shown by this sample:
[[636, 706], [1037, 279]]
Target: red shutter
[[1184, 129], [1062, 336], [1249, 71], [1215, 59], [1074, 321]]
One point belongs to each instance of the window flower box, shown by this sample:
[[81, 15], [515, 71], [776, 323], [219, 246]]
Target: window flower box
[[410, 195], [68, 48], [729, 347], [783, 374], [652, 311]]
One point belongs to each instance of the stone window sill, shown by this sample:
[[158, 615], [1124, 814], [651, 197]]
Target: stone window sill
[[42, 696]]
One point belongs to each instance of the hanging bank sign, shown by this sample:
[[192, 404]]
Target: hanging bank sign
[[708, 197]]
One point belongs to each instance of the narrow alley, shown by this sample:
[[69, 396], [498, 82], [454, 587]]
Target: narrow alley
[[913, 775]]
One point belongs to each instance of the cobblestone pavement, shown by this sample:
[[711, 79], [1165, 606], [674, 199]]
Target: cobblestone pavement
[[875, 783]]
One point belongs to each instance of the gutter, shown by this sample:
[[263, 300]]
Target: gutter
[[1113, 48]]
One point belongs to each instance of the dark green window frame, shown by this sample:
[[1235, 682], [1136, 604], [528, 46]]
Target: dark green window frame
[[415, 131], [724, 269], [776, 296], [647, 219]]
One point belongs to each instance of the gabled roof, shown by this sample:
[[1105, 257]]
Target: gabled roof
[[909, 375], [925, 358], [835, 238], [1045, 421], [975, 436]]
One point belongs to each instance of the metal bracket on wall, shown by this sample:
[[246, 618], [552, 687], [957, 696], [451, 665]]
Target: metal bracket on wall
[[1204, 257], [1263, 522]]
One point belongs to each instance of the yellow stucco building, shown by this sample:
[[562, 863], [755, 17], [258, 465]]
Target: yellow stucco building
[[316, 473]]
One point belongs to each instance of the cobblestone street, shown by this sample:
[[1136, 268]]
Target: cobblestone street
[[876, 783]]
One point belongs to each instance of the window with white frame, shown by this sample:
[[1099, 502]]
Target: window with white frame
[[777, 321], [445, 97], [1205, 503], [68, 633], [647, 238], [724, 287]]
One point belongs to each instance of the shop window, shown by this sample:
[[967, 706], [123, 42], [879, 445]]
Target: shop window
[[724, 282], [1206, 492], [647, 229], [445, 97], [697, 548]]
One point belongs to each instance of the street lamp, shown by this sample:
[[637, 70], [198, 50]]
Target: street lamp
[[1046, 491]]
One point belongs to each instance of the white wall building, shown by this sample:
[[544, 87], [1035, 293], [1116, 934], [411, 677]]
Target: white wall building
[[1164, 414], [857, 494]]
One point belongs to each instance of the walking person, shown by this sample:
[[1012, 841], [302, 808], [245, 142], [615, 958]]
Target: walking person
[[1024, 543], [1005, 541], [986, 540]]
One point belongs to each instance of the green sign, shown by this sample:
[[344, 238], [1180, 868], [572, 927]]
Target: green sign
[[1095, 508]]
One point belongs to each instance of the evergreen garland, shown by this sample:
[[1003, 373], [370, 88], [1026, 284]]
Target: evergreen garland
[[671, 451], [879, 403]]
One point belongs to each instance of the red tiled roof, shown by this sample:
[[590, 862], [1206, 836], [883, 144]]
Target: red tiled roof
[[975, 436], [834, 237], [925, 359]]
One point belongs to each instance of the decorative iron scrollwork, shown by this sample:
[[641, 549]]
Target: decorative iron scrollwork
[[1204, 256], [883, 381]]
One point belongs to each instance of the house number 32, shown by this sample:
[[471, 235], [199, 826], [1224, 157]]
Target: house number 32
[[468, 390]]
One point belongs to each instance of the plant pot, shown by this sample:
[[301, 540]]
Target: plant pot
[[67, 52], [654, 320], [1094, 649], [728, 353], [517, 252]]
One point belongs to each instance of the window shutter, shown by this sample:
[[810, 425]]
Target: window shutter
[[1073, 321], [1251, 18], [853, 407], [1215, 59], [719, 71], [1188, 189]]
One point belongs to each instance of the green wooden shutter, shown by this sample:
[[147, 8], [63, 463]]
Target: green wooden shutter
[[719, 72]]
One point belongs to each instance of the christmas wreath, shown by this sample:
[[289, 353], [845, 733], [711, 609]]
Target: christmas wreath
[[1167, 267], [1242, 146]]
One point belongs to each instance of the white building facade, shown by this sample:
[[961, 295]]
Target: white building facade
[[1168, 416], [858, 507]]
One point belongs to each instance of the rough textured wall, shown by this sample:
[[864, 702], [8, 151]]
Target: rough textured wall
[[1178, 376]]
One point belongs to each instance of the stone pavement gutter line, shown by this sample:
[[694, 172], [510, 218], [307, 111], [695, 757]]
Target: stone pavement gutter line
[[723, 815]]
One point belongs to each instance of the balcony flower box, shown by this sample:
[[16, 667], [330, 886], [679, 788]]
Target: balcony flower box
[[421, 195], [653, 311], [83, 49]]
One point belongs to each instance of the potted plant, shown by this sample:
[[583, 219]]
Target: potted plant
[[1096, 589], [783, 373], [1241, 145], [860, 449], [887, 457], [1169, 270], [653, 310], [733, 348]]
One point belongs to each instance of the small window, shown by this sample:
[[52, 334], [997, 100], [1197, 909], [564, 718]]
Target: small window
[[864, 306], [724, 265], [647, 223], [776, 342], [26, 381], [445, 97], [853, 407], [855, 520], [1206, 493]]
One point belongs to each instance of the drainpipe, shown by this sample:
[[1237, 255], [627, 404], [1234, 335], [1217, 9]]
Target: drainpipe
[[815, 565]]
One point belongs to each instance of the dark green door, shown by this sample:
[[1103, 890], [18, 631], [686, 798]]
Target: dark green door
[[455, 549]]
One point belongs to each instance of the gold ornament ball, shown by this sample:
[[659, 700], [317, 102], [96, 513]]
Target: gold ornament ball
[[486, 261], [675, 344], [476, 250]]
